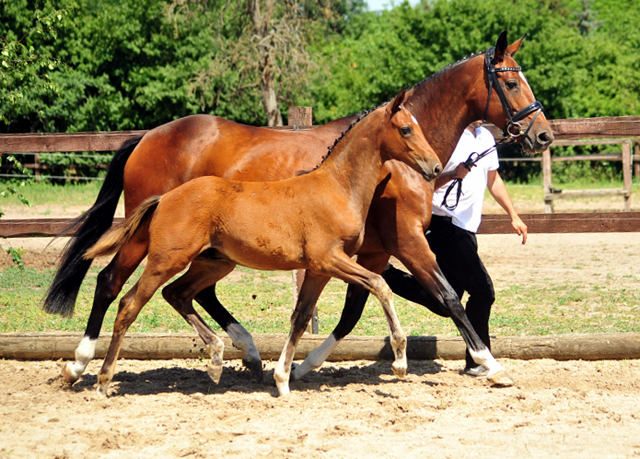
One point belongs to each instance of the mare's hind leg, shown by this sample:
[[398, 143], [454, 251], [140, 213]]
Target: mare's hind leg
[[349, 271], [352, 311], [240, 337], [312, 287], [109, 284], [202, 273]]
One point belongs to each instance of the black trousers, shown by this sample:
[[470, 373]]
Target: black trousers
[[456, 251]]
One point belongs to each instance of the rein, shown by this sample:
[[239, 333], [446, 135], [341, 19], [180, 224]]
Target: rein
[[512, 130]]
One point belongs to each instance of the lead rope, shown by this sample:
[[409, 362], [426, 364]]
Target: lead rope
[[471, 161]]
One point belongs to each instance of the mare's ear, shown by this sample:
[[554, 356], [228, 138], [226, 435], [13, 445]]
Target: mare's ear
[[515, 46], [394, 106], [501, 47]]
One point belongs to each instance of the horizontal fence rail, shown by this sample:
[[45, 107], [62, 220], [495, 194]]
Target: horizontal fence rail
[[160, 346], [580, 128], [601, 222]]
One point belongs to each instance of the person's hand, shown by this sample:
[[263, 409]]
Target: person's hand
[[460, 171], [520, 228]]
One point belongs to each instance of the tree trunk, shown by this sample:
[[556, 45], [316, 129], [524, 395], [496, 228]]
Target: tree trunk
[[267, 78]]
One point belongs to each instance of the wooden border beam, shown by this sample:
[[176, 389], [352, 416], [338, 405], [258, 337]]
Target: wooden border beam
[[52, 346], [602, 222]]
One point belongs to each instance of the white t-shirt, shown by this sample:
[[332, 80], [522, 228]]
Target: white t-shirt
[[468, 213]]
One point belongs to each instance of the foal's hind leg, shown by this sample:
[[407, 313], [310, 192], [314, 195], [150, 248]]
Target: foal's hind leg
[[202, 273], [109, 284], [311, 289], [240, 337]]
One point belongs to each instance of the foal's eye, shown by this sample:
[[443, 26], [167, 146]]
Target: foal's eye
[[406, 130]]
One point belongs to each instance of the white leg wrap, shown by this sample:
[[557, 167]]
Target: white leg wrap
[[243, 340], [315, 358], [85, 352], [486, 359]]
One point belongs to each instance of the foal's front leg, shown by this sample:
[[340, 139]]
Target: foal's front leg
[[350, 271], [351, 312], [310, 291]]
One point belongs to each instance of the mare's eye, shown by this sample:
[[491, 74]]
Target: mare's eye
[[512, 84], [406, 130]]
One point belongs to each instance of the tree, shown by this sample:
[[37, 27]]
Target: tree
[[23, 71]]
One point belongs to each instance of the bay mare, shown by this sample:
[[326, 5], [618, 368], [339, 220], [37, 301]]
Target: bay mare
[[195, 146], [314, 222]]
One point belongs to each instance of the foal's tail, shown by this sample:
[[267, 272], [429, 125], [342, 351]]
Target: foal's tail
[[62, 293], [116, 238]]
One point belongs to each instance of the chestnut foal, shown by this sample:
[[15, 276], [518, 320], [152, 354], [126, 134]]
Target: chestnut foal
[[315, 222]]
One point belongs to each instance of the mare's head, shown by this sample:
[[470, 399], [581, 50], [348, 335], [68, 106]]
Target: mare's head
[[404, 141], [511, 95]]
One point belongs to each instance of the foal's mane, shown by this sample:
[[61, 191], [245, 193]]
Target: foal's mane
[[363, 114]]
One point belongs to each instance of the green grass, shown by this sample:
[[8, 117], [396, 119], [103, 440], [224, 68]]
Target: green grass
[[72, 194], [262, 302]]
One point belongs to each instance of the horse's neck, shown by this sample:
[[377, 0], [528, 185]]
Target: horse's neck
[[355, 162], [442, 105]]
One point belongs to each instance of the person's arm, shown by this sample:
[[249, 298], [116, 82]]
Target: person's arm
[[498, 190], [460, 172]]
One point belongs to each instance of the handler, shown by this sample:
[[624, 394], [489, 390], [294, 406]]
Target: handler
[[452, 237]]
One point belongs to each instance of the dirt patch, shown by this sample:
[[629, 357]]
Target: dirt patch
[[170, 409]]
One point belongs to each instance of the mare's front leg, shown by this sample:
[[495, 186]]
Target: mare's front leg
[[240, 337], [109, 284], [351, 312], [429, 287], [310, 291]]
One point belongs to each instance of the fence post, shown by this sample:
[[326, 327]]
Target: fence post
[[302, 116], [636, 165], [626, 173], [546, 180]]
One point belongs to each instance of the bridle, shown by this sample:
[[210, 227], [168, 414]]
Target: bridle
[[513, 129]]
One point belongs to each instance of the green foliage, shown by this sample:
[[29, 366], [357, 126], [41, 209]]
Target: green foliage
[[82, 65], [16, 257], [11, 188]]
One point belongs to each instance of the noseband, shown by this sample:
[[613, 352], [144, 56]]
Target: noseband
[[513, 128]]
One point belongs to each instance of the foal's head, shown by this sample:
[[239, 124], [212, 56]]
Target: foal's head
[[404, 141]]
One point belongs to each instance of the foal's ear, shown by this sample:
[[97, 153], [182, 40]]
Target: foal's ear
[[501, 47], [515, 46], [394, 106]]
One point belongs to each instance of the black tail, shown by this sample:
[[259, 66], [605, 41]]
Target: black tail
[[62, 293]]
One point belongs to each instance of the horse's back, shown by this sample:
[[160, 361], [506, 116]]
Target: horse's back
[[206, 145]]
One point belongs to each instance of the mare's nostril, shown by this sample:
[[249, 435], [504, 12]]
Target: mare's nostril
[[545, 138], [436, 169]]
